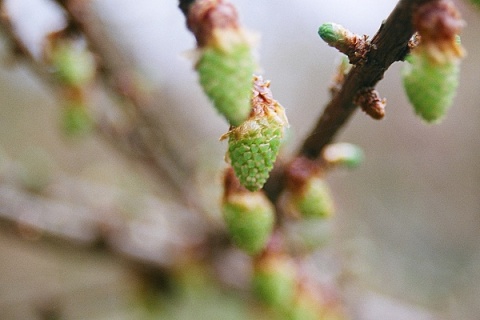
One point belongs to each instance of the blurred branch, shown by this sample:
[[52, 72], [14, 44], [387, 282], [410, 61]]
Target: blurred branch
[[139, 228], [132, 131], [161, 232], [123, 82]]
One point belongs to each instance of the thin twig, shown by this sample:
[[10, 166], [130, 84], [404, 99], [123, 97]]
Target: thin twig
[[390, 44], [387, 46]]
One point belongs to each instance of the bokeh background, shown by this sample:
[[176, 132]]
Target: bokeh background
[[407, 231]]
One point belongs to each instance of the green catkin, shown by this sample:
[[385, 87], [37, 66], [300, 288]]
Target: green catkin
[[274, 281], [430, 86], [249, 218], [253, 152], [350, 44], [314, 200], [225, 62], [253, 146], [431, 73], [73, 66], [76, 120], [225, 75]]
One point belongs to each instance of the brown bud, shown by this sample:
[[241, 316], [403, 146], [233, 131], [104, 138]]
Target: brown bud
[[206, 16], [438, 21], [438, 24], [299, 171], [231, 184], [369, 100]]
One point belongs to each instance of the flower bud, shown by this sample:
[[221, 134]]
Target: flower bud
[[253, 146], [274, 280], [333, 34], [307, 195], [226, 63], [226, 79], [313, 200], [249, 216]]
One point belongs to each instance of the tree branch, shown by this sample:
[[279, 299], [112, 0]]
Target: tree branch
[[86, 213], [387, 46]]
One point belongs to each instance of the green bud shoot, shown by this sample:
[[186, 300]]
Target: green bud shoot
[[274, 281], [332, 33], [226, 77], [249, 218], [313, 200], [226, 63]]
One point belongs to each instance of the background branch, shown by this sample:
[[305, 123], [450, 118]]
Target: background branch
[[133, 129], [149, 137], [137, 227]]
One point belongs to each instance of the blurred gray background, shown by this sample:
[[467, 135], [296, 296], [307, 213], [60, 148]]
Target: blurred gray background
[[408, 222]]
